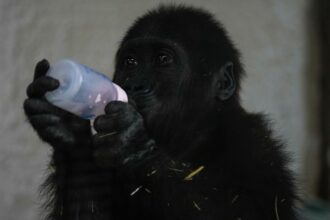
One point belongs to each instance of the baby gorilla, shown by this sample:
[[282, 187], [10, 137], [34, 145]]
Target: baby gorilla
[[181, 148]]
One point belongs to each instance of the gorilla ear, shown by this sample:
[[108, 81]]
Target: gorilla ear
[[226, 83]]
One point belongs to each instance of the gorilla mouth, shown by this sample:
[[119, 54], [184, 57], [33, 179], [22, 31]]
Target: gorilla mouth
[[142, 100]]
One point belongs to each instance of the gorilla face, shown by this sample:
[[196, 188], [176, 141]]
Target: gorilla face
[[166, 85], [149, 70], [155, 74]]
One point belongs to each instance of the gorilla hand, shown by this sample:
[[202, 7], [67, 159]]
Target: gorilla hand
[[122, 140], [59, 128]]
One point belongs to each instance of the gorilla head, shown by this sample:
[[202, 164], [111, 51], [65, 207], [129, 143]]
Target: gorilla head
[[180, 68]]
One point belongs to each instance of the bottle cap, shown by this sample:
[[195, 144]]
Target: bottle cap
[[121, 94]]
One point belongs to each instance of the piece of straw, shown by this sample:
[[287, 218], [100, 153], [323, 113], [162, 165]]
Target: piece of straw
[[234, 199], [147, 190], [136, 190], [276, 210], [193, 173], [196, 206], [109, 134], [152, 173]]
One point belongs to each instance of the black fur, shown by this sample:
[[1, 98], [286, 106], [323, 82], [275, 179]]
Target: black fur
[[182, 74]]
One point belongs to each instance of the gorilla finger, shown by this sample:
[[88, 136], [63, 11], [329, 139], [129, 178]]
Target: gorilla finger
[[57, 136], [40, 86], [41, 68], [107, 123], [39, 106], [42, 121], [116, 107], [79, 124], [123, 113], [105, 139]]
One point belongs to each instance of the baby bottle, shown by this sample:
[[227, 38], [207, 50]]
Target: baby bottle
[[82, 90]]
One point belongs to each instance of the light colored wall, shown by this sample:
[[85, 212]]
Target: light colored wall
[[276, 38]]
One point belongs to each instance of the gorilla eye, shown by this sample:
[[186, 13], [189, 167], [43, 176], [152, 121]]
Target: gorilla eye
[[164, 59], [130, 62]]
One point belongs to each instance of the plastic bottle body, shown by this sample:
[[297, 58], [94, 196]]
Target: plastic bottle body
[[82, 91]]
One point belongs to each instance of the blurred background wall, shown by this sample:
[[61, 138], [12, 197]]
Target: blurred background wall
[[277, 39]]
